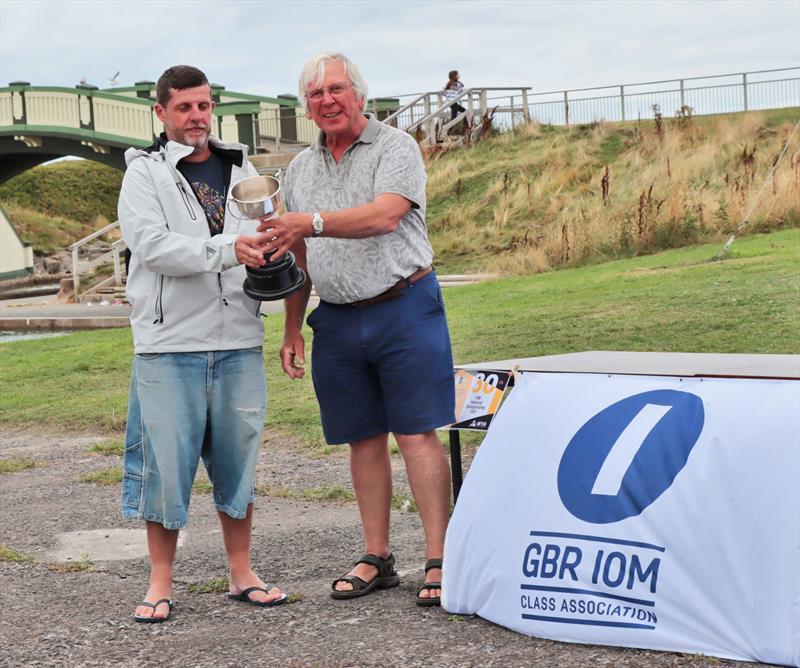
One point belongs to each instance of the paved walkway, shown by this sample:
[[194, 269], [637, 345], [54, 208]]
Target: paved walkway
[[44, 314]]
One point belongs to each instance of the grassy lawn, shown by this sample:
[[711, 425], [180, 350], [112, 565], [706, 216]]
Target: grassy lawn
[[679, 300]]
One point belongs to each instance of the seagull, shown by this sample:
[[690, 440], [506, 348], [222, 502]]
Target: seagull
[[113, 80]]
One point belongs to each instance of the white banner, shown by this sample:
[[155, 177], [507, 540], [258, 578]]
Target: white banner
[[651, 512]]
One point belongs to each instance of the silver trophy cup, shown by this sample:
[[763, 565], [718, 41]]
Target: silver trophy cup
[[258, 197]]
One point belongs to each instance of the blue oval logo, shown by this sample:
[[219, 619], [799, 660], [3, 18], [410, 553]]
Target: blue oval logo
[[627, 455]]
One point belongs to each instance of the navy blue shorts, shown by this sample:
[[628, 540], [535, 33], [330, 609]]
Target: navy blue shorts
[[384, 368]]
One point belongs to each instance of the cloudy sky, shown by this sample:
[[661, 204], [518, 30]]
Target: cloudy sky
[[259, 46]]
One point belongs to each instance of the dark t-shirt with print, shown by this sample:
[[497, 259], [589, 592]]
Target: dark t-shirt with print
[[209, 183]]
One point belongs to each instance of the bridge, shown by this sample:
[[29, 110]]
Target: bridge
[[40, 123]]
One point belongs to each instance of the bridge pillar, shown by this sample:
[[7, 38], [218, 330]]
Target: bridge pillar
[[18, 110], [86, 106], [288, 118], [145, 89]]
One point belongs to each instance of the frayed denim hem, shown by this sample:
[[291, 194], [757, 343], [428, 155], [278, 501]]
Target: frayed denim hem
[[129, 514], [231, 512]]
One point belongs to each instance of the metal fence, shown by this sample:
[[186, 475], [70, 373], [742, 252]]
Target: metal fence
[[719, 94], [428, 114]]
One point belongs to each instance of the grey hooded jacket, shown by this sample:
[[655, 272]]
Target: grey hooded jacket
[[185, 286]]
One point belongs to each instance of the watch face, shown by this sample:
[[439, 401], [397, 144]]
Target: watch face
[[316, 224]]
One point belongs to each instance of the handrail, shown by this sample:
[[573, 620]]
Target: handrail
[[95, 234], [444, 107], [117, 248], [408, 106]]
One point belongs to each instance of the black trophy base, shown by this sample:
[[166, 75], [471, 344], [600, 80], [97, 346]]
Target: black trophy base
[[275, 280]]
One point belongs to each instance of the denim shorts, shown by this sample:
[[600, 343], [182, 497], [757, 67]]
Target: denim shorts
[[183, 407], [384, 368]]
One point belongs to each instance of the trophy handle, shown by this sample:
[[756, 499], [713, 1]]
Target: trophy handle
[[230, 205]]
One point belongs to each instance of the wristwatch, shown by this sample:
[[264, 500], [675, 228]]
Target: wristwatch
[[316, 225]]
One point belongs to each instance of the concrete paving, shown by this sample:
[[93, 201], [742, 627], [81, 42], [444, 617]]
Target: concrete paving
[[44, 314]]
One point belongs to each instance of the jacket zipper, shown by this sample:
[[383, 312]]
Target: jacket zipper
[[179, 184], [158, 306], [222, 296]]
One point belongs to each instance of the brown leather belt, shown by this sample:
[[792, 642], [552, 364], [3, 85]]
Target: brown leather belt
[[395, 291]]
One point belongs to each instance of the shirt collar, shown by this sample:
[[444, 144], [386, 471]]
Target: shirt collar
[[368, 135]]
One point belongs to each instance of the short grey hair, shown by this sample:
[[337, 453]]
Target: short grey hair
[[314, 71]]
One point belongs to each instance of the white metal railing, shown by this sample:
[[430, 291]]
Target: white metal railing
[[114, 255], [428, 112], [718, 94], [273, 126]]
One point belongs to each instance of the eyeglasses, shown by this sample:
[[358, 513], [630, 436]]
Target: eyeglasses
[[336, 90]]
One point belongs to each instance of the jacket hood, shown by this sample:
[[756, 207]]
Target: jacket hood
[[174, 152]]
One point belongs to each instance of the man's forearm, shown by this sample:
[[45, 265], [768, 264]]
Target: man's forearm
[[381, 216], [294, 307], [375, 218]]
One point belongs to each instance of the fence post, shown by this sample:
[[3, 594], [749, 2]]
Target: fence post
[[526, 112], [426, 109], [513, 126], [622, 100], [117, 267], [683, 101], [566, 109], [76, 280], [744, 89]]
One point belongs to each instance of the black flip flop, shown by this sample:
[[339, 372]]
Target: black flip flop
[[244, 597], [386, 578], [154, 620]]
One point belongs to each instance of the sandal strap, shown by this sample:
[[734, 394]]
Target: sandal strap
[[432, 563], [157, 603], [431, 585], [357, 582], [246, 592], [385, 566]]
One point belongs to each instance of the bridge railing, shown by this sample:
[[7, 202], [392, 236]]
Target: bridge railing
[[85, 110]]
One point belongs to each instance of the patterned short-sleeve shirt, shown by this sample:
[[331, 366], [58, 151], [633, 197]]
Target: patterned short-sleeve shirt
[[382, 160]]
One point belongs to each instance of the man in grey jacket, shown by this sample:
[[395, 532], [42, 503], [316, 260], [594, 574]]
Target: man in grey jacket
[[197, 381]]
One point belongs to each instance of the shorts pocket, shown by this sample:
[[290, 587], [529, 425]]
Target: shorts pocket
[[133, 468], [312, 318]]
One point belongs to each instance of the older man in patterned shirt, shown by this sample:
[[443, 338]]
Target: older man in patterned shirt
[[381, 360]]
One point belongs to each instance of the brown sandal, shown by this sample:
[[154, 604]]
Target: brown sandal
[[386, 578]]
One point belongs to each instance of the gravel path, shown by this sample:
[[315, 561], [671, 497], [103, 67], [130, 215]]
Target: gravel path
[[83, 617]]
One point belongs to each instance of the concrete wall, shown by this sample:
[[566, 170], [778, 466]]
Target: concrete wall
[[16, 257]]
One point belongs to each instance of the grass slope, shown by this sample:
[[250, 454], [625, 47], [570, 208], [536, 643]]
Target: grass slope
[[54, 205], [678, 300], [76, 189], [549, 196], [541, 197]]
